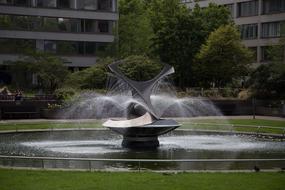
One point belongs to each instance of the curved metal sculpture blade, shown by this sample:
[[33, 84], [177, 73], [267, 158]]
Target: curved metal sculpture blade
[[142, 89]]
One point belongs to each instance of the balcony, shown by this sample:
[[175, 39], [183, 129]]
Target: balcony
[[56, 12]]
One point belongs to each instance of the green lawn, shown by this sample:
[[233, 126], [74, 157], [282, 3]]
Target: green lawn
[[209, 124], [48, 125], [221, 124], [75, 180]]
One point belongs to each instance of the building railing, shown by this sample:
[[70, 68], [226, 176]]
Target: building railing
[[30, 5]]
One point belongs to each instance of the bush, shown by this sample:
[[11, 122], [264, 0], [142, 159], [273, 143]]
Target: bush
[[140, 68], [91, 78], [64, 93], [268, 81]]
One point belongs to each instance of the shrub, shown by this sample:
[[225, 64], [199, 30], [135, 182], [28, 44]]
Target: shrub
[[64, 93]]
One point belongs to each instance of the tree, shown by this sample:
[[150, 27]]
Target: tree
[[276, 53], [179, 33], [91, 78], [268, 80], [49, 70], [135, 32], [173, 41], [140, 68], [222, 58], [210, 19]]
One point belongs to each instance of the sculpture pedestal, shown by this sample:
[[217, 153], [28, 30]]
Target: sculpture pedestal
[[140, 142]]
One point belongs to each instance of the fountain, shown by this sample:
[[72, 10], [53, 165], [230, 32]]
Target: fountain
[[143, 104], [143, 124]]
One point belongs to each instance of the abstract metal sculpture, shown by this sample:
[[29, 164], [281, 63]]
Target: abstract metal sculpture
[[142, 131]]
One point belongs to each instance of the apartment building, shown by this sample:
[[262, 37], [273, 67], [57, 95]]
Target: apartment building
[[77, 30], [261, 22]]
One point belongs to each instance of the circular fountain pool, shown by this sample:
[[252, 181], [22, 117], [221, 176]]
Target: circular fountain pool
[[104, 144]]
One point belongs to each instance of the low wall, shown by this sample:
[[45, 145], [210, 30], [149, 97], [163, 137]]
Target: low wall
[[37, 108], [248, 107], [23, 109]]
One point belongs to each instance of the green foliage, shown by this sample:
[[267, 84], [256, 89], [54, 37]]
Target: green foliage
[[179, 33], [276, 53], [211, 18], [222, 58], [135, 32], [173, 26], [49, 69], [140, 68], [64, 93], [90, 78], [268, 81]]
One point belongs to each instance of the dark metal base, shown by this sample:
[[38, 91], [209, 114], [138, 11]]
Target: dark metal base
[[140, 142], [146, 136]]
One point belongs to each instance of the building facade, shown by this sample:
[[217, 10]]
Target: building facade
[[261, 22], [76, 30]]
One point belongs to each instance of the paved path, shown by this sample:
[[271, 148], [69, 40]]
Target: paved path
[[179, 119]]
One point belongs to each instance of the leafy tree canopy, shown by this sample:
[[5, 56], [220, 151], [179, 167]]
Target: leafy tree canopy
[[135, 32], [268, 80], [49, 70], [179, 33], [222, 58], [140, 68], [91, 78]]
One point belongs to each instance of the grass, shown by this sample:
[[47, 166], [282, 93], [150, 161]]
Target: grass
[[209, 124], [48, 125], [76, 180], [239, 125]]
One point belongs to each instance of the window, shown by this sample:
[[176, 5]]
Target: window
[[273, 29], [7, 2], [265, 53], [249, 8], [273, 6], [50, 46], [90, 25], [87, 4], [249, 31], [69, 25], [105, 5], [24, 3], [46, 3], [50, 24], [16, 45], [70, 47], [65, 47], [103, 26], [63, 4], [90, 48]]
